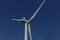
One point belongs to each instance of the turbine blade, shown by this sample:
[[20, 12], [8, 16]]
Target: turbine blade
[[25, 38], [37, 11], [16, 19], [29, 30]]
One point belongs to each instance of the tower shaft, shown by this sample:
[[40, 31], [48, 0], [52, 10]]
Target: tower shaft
[[26, 36]]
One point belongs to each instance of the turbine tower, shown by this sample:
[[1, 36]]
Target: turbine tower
[[27, 23]]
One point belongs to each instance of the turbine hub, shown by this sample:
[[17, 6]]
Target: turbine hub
[[24, 20]]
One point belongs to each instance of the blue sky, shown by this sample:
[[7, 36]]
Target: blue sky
[[45, 26]]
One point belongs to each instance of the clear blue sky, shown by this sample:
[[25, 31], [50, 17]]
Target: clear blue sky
[[45, 26]]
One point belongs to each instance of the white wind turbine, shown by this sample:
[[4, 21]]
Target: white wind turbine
[[27, 23]]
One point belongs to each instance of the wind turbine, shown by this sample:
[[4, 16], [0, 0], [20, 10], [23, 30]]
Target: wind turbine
[[27, 23]]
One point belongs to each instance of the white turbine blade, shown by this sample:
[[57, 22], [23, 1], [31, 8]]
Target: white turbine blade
[[16, 19], [37, 11], [25, 38], [29, 30]]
